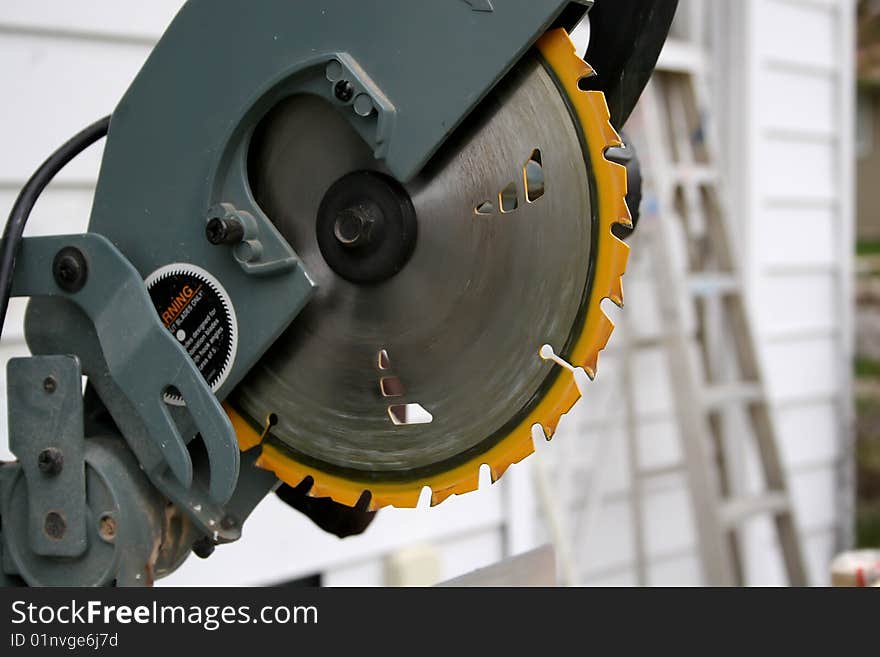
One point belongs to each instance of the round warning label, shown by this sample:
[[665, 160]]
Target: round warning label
[[198, 312]]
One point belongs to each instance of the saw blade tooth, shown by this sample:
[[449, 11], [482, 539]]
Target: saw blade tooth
[[600, 106], [498, 472], [591, 366], [401, 498], [523, 448], [616, 295], [624, 216], [621, 258], [619, 181], [349, 498], [622, 250], [562, 41], [440, 496], [550, 422], [603, 335], [466, 484]]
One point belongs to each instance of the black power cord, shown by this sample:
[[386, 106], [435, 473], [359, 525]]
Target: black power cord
[[26, 200]]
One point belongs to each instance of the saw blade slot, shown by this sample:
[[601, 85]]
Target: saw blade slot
[[581, 378], [508, 199], [533, 177], [409, 414], [392, 386], [485, 209]]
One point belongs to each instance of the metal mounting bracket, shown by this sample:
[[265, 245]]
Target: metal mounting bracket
[[142, 357], [46, 434]]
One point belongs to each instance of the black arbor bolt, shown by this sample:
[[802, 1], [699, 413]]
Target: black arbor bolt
[[344, 90], [51, 462], [224, 230], [366, 227], [70, 269]]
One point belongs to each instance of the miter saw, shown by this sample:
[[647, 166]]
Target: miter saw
[[349, 252]]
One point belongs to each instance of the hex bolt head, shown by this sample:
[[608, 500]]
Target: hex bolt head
[[344, 91], [203, 548], [50, 462], [224, 230]]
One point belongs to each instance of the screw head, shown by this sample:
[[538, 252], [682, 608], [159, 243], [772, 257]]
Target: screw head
[[228, 522], [344, 91], [50, 385], [215, 231], [70, 269], [50, 462], [221, 231]]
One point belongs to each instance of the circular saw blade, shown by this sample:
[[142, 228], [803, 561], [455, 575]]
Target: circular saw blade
[[418, 381]]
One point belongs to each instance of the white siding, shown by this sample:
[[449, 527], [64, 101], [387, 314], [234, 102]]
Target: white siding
[[796, 123]]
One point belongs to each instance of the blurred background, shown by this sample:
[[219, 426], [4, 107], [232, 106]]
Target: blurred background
[[790, 93]]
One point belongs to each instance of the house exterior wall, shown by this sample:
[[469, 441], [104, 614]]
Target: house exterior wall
[[787, 132], [793, 117]]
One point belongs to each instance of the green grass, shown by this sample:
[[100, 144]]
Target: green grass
[[865, 368], [868, 463], [865, 405], [868, 526], [868, 248]]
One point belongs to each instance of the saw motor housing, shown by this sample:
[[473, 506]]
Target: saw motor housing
[[119, 484]]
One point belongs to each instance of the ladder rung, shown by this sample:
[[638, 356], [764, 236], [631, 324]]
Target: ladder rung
[[648, 341], [704, 285], [695, 173], [662, 471], [736, 511], [718, 396]]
